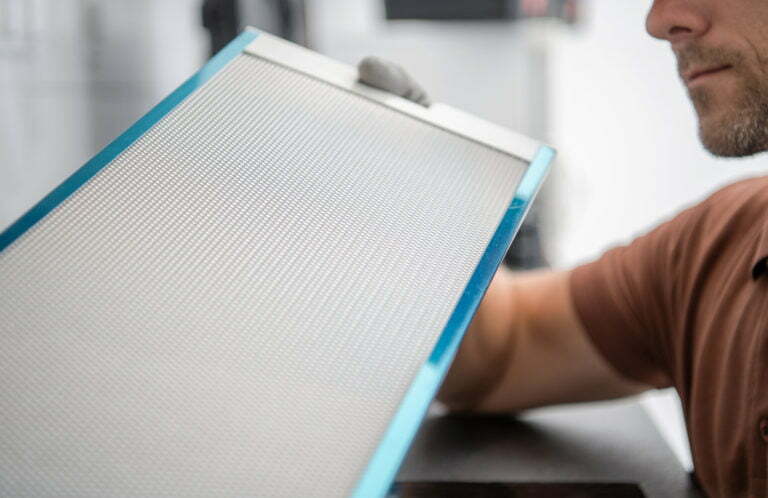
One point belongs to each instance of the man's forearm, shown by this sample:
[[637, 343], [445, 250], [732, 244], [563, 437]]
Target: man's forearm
[[526, 348], [487, 348]]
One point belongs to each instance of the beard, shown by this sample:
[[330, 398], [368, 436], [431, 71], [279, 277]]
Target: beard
[[729, 129]]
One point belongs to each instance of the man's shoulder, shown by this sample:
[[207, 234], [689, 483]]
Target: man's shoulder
[[717, 229], [720, 222], [749, 190], [740, 202]]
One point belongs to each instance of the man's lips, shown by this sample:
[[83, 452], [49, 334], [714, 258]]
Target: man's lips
[[696, 73]]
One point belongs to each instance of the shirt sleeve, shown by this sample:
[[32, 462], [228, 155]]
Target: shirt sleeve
[[626, 301]]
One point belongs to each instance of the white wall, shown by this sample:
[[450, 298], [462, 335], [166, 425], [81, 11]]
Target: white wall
[[74, 74], [629, 154]]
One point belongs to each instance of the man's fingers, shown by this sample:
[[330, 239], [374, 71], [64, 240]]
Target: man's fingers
[[392, 78]]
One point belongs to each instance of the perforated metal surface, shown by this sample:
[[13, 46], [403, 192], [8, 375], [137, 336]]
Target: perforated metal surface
[[237, 304]]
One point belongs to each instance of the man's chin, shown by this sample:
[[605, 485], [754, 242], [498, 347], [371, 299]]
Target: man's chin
[[739, 137], [732, 122]]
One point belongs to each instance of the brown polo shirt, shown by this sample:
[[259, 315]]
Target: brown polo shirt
[[687, 306]]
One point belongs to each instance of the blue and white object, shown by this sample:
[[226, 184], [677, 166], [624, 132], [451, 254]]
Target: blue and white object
[[255, 290]]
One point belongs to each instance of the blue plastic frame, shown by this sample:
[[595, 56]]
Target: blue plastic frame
[[386, 460]]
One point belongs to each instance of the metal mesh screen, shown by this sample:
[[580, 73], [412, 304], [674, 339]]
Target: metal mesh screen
[[238, 302]]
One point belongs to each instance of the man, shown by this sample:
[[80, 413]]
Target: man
[[685, 305]]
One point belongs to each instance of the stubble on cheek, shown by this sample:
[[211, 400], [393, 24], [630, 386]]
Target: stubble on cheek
[[702, 100]]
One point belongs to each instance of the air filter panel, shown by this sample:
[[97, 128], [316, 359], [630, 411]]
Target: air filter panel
[[255, 291]]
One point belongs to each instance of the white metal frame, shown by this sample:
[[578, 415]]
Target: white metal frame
[[311, 63]]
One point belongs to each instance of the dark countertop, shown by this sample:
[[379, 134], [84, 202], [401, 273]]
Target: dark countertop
[[613, 442]]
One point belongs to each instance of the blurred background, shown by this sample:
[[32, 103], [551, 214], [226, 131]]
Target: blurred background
[[580, 74]]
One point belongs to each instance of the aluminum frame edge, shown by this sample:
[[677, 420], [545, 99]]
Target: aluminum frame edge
[[297, 58]]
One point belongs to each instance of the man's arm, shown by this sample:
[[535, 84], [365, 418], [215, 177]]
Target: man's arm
[[526, 348]]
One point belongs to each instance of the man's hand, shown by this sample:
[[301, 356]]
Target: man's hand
[[391, 78]]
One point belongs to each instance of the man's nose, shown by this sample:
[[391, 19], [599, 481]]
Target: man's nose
[[678, 21]]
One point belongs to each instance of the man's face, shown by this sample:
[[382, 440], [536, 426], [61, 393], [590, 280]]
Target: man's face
[[722, 54]]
